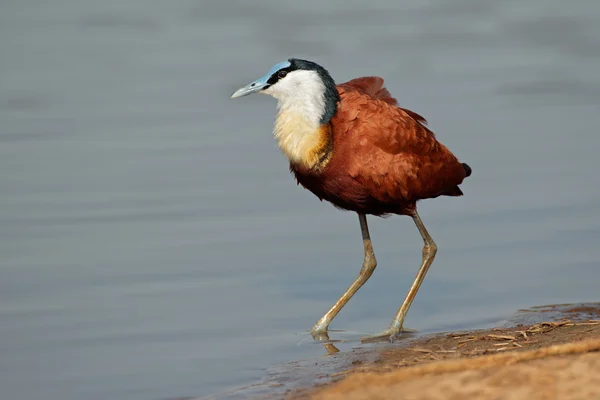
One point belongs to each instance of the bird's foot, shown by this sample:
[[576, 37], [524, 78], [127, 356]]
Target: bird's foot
[[390, 334], [319, 331], [320, 336]]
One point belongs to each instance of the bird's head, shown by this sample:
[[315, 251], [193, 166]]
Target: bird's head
[[298, 85]]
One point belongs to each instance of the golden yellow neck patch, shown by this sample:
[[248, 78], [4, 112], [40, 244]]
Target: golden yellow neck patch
[[301, 141]]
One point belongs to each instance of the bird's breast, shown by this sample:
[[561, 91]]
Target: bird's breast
[[333, 184], [303, 142]]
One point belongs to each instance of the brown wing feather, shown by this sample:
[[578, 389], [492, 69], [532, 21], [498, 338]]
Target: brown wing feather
[[373, 86], [389, 150]]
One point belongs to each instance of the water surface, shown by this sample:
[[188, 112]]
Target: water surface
[[153, 243]]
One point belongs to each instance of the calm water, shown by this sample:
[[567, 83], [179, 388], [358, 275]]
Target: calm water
[[153, 243]]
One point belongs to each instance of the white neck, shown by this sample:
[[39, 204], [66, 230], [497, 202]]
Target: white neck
[[301, 104], [301, 92]]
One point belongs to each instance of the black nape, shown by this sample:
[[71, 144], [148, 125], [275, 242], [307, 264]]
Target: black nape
[[332, 96]]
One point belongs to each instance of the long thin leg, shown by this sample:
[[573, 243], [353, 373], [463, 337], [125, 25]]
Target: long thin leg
[[429, 250], [366, 271]]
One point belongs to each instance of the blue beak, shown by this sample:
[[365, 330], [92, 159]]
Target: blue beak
[[252, 87], [260, 83]]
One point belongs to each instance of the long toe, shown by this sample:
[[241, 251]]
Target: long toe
[[390, 334]]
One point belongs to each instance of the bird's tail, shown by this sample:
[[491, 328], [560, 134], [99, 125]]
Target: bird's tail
[[455, 191], [468, 169]]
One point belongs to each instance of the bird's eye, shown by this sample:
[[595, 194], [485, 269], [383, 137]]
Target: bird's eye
[[282, 74]]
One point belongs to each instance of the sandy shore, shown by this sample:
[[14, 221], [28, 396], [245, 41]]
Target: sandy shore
[[559, 360]]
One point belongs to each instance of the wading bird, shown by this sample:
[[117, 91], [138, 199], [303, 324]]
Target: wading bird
[[351, 144]]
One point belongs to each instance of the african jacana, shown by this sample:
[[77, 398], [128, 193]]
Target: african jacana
[[350, 144]]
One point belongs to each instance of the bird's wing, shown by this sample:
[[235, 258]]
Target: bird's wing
[[373, 86], [367, 109], [389, 147]]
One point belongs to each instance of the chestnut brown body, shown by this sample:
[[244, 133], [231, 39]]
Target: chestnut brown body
[[378, 158]]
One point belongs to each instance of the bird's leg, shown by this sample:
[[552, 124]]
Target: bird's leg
[[366, 271], [429, 250]]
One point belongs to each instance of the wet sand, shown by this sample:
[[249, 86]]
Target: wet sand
[[543, 352], [547, 360]]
